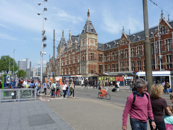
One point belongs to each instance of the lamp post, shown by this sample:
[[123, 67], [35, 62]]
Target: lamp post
[[147, 45], [160, 57], [43, 39], [13, 63]]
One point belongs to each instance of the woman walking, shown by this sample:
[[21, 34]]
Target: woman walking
[[158, 105], [72, 89]]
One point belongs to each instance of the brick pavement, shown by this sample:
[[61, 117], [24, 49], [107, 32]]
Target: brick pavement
[[30, 115]]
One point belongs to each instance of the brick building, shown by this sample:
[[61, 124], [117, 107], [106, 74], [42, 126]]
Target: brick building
[[83, 55]]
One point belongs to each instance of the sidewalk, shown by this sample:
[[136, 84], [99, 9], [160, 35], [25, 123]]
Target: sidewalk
[[30, 115]]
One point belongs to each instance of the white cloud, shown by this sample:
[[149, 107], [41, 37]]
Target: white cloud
[[114, 24], [62, 15], [5, 26], [5, 36]]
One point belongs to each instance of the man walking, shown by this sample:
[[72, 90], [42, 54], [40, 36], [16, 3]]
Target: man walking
[[45, 87], [53, 88], [86, 84], [139, 106]]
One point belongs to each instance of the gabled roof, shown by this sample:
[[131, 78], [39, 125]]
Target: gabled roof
[[75, 39], [139, 36]]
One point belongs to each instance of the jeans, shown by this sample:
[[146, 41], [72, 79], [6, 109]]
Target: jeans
[[64, 93], [130, 88], [86, 86], [159, 125], [138, 125], [68, 92], [72, 92], [53, 94], [45, 91]]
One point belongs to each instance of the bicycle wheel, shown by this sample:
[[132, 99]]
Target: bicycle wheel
[[108, 96], [99, 95]]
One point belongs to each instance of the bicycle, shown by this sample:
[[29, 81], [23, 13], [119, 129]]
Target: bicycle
[[107, 95]]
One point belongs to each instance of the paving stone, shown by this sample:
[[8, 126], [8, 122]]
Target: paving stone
[[40, 119]]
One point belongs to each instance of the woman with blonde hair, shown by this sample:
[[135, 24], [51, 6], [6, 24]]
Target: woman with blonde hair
[[158, 105], [72, 89]]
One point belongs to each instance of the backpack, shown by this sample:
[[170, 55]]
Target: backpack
[[134, 96], [167, 86], [39, 86]]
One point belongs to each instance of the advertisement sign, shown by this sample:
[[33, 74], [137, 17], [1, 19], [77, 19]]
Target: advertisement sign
[[8, 79]]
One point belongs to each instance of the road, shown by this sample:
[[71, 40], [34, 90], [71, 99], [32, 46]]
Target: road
[[87, 112], [117, 98]]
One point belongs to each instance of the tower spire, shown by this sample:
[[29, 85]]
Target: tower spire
[[88, 14], [162, 16], [168, 17], [69, 35], [62, 33]]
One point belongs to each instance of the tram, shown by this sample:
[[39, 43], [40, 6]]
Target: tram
[[160, 76]]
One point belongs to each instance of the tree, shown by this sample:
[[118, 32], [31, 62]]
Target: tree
[[21, 73], [4, 64]]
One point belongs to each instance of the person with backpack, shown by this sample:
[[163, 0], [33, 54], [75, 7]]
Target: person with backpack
[[53, 89], [158, 106], [139, 106]]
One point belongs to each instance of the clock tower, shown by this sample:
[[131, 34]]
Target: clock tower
[[88, 48]]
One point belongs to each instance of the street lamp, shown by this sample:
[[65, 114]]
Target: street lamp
[[13, 64], [160, 56], [43, 39]]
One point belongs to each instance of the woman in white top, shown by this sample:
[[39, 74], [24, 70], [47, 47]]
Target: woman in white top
[[64, 88]]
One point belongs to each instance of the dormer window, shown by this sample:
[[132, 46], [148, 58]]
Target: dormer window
[[163, 30], [123, 42], [91, 30], [82, 31], [90, 23]]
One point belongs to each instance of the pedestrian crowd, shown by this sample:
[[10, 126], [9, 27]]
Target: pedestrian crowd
[[55, 89]]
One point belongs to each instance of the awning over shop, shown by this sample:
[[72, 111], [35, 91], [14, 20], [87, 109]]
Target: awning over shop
[[122, 73]]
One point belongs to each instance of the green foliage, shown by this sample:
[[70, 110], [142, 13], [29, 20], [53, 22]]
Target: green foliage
[[21, 73], [4, 64]]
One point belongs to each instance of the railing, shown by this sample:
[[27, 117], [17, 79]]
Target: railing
[[23, 94]]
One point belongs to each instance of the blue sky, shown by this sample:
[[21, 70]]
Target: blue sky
[[20, 26]]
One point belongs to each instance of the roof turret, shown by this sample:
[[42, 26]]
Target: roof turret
[[88, 28]]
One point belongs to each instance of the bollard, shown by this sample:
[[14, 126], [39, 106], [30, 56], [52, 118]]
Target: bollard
[[18, 94], [0, 95], [35, 94]]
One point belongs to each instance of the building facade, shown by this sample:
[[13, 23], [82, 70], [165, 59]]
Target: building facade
[[24, 64], [83, 55]]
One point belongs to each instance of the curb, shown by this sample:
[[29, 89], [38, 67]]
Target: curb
[[44, 99]]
